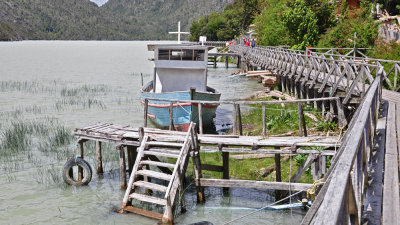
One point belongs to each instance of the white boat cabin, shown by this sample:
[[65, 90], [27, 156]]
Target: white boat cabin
[[179, 67]]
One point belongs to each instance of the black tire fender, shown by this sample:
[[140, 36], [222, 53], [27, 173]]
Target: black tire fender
[[87, 172]]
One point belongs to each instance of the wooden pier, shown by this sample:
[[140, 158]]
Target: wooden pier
[[214, 56], [362, 183]]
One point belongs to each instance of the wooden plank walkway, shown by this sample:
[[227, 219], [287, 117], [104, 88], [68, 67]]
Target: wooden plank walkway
[[391, 191], [127, 135]]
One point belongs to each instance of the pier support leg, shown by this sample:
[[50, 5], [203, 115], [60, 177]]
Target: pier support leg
[[238, 62], [131, 150], [99, 158], [225, 164], [215, 61], [226, 61], [198, 175], [278, 176], [80, 153], [122, 166]]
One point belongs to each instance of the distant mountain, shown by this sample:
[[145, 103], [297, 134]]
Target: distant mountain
[[84, 20]]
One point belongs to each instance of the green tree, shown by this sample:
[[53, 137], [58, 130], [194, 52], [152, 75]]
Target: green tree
[[270, 29], [341, 36], [302, 26]]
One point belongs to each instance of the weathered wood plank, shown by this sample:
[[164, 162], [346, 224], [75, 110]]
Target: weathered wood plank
[[143, 212], [391, 200], [154, 174], [212, 167], [159, 164], [150, 199], [152, 186], [269, 185]]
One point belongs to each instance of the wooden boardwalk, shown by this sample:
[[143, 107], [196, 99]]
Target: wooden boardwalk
[[362, 184]]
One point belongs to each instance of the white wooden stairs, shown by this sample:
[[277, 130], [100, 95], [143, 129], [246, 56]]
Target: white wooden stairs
[[143, 172]]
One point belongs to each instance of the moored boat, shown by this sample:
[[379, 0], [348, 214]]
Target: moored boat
[[180, 73]]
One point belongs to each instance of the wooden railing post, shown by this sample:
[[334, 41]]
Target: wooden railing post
[[171, 119], [302, 122], [239, 120], [146, 108], [264, 121], [200, 112], [234, 119]]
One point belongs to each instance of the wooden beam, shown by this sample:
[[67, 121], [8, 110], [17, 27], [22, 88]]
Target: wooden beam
[[268, 185]]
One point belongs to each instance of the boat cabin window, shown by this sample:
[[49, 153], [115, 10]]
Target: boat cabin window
[[181, 54]]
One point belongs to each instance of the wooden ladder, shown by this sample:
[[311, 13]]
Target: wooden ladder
[[144, 171]]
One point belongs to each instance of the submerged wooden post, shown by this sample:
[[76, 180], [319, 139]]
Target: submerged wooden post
[[215, 61], [264, 120], [198, 173], [141, 75], [278, 176], [239, 120], [225, 165], [226, 61], [200, 106], [171, 119], [146, 108], [238, 62], [122, 166], [80, 153], [132, 154], [99, 158], [302, 122]]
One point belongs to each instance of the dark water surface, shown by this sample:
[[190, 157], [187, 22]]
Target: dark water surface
[[48, 88]]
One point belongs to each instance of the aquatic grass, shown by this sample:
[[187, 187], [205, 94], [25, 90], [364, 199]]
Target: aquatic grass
[[89, 102], [84, 90], [15, 138], [26, 86], [48, 175]]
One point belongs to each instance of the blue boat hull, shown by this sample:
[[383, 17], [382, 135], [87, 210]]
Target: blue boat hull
[[183, 113]]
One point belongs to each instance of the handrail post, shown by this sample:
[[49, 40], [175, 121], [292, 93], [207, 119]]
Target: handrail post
[[146, 108], [200, 112], [234, 118], [171, 119], [264, 121]]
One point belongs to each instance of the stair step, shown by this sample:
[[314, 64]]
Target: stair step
[[165, 150], [166, 144], [156, 153], [154, 174], [152, 186], [146, 198], [155, 163]]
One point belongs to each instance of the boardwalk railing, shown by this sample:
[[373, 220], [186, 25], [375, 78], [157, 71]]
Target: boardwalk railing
[[237, 115], [332, 70], [340, 201]]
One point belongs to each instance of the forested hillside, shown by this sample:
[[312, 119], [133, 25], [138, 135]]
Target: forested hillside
[[84, 20], [302, 23]]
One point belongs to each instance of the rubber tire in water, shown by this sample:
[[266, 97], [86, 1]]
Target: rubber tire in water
[[87, 172]]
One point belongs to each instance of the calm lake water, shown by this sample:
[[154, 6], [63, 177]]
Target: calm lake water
[[48, 88]]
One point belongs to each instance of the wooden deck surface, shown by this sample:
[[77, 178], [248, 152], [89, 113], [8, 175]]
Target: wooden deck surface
[[126, 135], [391, 191]]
